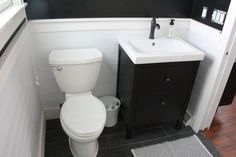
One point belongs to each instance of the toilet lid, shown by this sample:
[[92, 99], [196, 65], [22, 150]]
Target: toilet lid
[[83, 115], [75, 56]]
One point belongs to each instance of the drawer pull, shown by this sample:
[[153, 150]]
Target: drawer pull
[[163, 103], [167, 79]]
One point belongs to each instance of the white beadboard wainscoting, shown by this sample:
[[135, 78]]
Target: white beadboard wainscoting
[[21, 114], [207, 39], [48, 35]]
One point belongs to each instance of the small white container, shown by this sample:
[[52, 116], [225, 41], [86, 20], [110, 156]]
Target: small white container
[[112, 105]]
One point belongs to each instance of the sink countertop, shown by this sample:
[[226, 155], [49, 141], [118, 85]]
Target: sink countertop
[[142, 50]]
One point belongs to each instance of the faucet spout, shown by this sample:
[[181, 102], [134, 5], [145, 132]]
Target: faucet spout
[[154, 26]]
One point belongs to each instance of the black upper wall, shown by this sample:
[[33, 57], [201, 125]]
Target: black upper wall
[[211, 4], [48, 9]]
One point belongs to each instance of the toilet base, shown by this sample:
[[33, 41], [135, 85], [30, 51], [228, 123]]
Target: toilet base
[[79, 149]]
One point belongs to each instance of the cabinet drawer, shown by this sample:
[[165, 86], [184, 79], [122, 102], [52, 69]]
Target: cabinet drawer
[[163, 78], [155, 108]]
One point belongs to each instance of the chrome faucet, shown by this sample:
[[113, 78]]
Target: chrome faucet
[[153, 26]]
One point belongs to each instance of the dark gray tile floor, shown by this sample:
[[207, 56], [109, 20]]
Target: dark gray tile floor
[[112, 142]]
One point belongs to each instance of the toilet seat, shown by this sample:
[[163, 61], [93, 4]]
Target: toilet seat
[[84, 116]]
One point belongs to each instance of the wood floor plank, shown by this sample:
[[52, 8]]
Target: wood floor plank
[[222, 132]]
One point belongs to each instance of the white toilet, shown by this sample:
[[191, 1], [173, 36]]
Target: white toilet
[[82, 115]]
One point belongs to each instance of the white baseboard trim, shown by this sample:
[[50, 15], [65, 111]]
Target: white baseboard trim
[[190, 120], [52, 113], [42, 132]]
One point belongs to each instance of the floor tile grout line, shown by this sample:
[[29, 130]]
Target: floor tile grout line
[[164, 130], [123, 132], [60, 155], [54, 143], [142, 144], [180, 133], [117, 146], [163, 137]]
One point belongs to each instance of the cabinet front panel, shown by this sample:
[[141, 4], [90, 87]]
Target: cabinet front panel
[[154, 108], [125, 83], [163, 78]]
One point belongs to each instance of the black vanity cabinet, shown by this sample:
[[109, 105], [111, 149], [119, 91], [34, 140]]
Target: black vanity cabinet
[[153, 94]]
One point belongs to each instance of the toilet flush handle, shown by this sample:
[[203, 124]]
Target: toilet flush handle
[[57, 68]]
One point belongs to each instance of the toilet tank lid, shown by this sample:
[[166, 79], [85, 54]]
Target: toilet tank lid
[[75, 56]]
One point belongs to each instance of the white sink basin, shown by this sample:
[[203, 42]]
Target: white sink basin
[[163, 45], [144, 51]]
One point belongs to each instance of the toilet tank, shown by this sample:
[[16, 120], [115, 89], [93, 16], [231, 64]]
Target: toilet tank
[[76, 70]]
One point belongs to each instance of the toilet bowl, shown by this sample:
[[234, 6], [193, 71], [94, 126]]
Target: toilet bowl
[[82, 116]]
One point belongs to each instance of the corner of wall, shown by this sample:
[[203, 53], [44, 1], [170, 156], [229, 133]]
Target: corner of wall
[[42, 132], [52, 113]]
